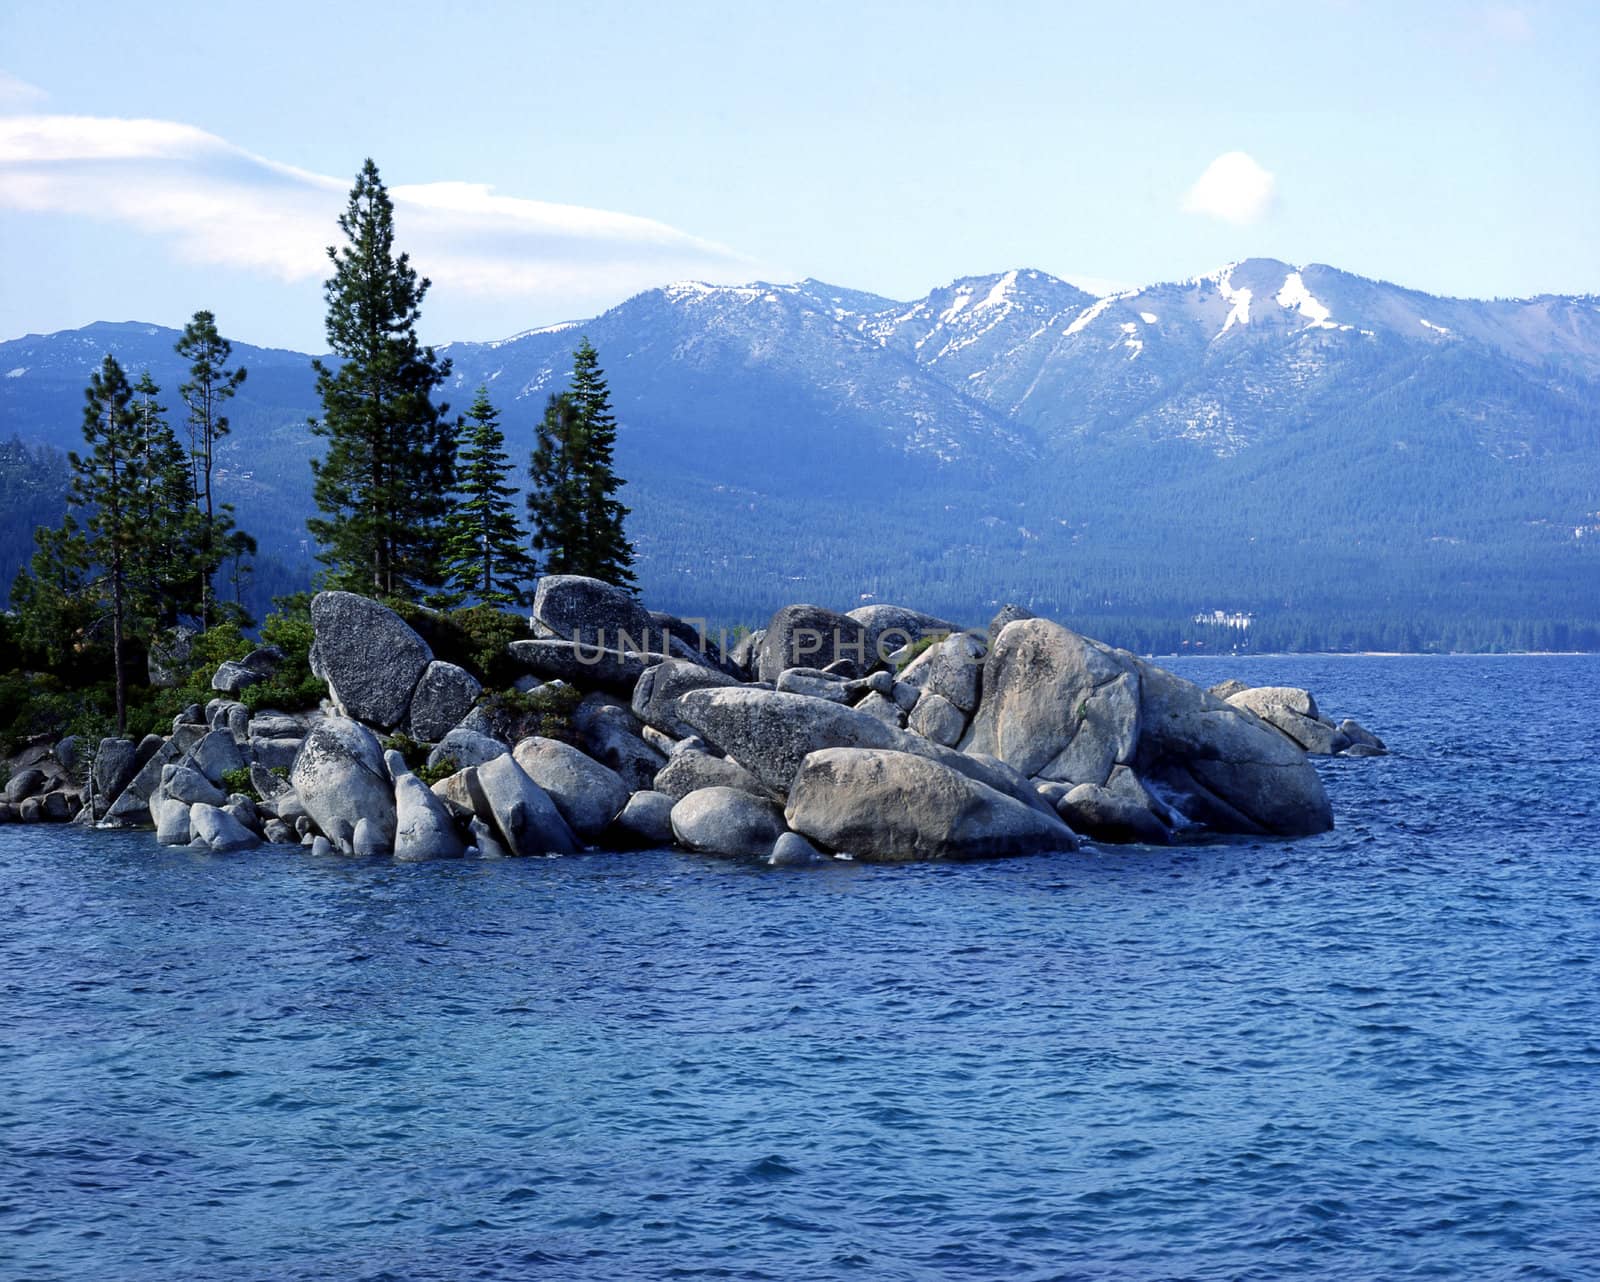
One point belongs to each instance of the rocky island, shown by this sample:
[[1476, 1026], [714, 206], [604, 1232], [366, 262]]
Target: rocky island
[[883, 734]]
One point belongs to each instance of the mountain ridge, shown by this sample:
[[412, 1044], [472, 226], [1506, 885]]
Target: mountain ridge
[[1009, 434]]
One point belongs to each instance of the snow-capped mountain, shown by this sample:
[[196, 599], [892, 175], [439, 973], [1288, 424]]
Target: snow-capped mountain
[[1015, 422]]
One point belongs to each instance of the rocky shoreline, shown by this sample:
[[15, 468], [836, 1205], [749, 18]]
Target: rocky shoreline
[[882, 735]]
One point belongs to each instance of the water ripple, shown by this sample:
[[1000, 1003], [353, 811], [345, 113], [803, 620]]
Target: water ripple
[[1370, 1054]]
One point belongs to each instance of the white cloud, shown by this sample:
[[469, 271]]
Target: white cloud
[[17, 94], [1233, 188], [217, 203]]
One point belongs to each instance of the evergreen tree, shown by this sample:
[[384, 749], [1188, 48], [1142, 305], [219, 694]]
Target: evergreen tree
[[484, 547], [572, 504], [168, 563], [52, 598], [211, 384], [606, 550], [102, 485], [384, 483], [554, 495]]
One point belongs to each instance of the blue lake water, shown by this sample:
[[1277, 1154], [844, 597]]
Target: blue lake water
[[1373, 1054]]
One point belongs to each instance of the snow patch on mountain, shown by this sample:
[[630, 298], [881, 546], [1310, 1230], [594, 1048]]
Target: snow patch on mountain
[[1437, 329], [1295, 296], [1239, 298], [1149, 318], [1089, 315], [18, 372]]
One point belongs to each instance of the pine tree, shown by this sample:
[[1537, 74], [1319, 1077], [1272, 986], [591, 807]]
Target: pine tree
[[384, 483], [54, 604], [102, 485], [169, 551], [211, 385], [577, 520], [554, 495], [607, 553], [484, 547]]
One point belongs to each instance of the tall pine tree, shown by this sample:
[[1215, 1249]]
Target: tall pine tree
[[577, 518], [211, 385], [554, 508], [485, 546], [165, 580], [384, 483], [102, 485]]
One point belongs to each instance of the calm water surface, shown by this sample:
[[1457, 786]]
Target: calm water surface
[[1374, 1054]]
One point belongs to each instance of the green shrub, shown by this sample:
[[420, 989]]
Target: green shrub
[[431, 775], [239, 781], [291, 688], [546, 711], [414, 753], [475, 638]]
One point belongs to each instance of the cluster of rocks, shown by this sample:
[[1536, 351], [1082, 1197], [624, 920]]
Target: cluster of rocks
[[883, 734]]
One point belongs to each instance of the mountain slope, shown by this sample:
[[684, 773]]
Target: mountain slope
[[1298, 443]]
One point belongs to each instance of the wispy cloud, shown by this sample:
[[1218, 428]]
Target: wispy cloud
[[217, 203], [18, 95], [1233, 188]]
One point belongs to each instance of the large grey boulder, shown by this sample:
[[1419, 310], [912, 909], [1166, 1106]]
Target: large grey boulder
[[1003, 618], [268, 724], [131, 809], [882, 709], [833, 687], [742, 653], [232, 676], [369, 656], [1358, 735], [791, 850], [885, 806], [423, 829], [273, 754], [526, 820], [467, 748], [1096, 811], [219, 830], [188, 785], [27, 782], [368, 841], [687, 772], [892, 627], [216, 755], [691, 641], [950, 669], [645, 822], [571, 607], [445, 693], [725, 821], [656, 693], [584, 665], [610, 734], [340, 779], [936, 718], [1056, 705], [588, 794], [1222, 766], [172, 823], [770, 734], [1293, 712], [809, 636], [115, 764]]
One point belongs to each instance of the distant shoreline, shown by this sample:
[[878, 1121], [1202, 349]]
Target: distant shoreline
[[1374, 654]]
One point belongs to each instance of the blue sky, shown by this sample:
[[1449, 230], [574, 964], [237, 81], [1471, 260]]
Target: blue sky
[[551, 159]]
